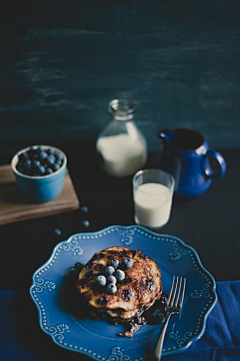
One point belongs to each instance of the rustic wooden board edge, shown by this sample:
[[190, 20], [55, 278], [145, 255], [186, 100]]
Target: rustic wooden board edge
[[23, 217], [61, 204]]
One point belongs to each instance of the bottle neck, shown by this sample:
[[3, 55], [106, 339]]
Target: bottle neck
[[121, 110]]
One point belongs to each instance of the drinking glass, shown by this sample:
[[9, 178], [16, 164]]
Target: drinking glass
[[152, 195]]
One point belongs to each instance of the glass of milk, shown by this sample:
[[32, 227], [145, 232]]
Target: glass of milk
[[152, 194]]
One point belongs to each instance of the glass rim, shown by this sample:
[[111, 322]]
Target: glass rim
[[144, 171]]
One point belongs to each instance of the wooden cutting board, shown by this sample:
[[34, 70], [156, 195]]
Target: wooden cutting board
[[14, 207]]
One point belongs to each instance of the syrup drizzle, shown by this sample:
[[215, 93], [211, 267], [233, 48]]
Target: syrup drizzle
[[156, 314]]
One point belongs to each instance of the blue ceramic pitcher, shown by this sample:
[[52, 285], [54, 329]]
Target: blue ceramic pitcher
[[186, 155]]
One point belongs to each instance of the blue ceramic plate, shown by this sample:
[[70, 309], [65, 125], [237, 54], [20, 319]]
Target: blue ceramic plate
[[98, 339]]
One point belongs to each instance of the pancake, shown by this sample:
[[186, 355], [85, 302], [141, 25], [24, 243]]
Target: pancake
[[134, 294]]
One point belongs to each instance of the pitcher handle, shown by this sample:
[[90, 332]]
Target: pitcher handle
[[221, 161]]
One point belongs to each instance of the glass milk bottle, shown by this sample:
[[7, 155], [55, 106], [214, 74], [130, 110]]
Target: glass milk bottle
[[121, 145]]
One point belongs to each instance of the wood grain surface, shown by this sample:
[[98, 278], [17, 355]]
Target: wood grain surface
[[14, 207], [63, 61]]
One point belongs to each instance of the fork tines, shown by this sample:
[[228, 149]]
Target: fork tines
[[177, 291]]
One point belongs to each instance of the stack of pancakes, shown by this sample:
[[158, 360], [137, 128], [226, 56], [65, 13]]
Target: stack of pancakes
[[136, 293]]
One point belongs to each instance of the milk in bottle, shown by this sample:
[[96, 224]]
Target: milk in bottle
[[121, 145]]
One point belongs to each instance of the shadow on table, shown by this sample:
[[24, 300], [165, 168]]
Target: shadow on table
[[26, 339]]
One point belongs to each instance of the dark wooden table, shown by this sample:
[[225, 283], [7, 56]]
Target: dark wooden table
[[209, 223], [61, 63]]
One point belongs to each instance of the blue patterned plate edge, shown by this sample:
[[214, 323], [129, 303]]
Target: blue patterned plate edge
[[155, 235], [213, 290]]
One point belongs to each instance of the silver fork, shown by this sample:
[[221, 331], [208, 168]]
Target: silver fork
[[173, 307]]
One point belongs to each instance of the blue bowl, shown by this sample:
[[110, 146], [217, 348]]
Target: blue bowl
[[39, 189]]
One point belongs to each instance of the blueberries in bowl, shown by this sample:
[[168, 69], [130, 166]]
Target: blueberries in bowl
[[40, 172], [39, 161]]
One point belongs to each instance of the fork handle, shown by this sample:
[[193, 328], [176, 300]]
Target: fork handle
[[159, 345]]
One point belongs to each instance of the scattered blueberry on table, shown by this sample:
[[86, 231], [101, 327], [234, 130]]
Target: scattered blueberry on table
[[84, 209], [58, 231], [39, 161], [86, 223]]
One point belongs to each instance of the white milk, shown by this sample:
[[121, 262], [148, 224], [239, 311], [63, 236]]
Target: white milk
[[152, 203], [121, 156]]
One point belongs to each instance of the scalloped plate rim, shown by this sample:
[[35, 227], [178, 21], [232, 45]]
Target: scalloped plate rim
[[176, 238]]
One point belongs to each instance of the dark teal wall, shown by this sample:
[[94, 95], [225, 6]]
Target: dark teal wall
[[63, 61]]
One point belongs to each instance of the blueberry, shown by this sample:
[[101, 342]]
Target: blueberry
[[127, 262], [42, 155], [49, 171], [51, 151], [28, 165], [41, 170], [59, 162], [86, 223], [101, 280], [58, 231], [119, 274], [150, 284], [55, 167], [111, 279], [78, 266], [115, 263], [23, 157], [39, 161], [36, 164], [51, 159], [163, 299], [73, 271], [59, 157], [109, 271], [31, 153], [84, 209], [39, 150], [111, 288], [126, 295]]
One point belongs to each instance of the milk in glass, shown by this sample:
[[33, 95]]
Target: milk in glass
[[152, 203]]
